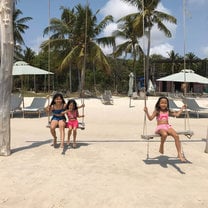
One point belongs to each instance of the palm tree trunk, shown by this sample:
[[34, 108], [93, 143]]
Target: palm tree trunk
[[6, 58], [134, 70]]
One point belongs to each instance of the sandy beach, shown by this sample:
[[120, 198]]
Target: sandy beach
[[109, 168]]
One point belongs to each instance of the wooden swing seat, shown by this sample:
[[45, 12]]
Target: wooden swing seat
[[80, 126], [187, 133]]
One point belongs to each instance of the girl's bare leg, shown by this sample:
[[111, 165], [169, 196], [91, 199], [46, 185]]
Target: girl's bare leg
[[62, 132], [74, 137], [69, 135], [162, 140], [53, 131], [173, 133], [178, 147]]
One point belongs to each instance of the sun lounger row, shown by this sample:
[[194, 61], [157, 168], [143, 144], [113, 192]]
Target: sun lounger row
[[36, 107], [192, 106]]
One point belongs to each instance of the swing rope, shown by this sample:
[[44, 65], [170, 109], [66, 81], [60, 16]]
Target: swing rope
[[144, 74], [82, 124]]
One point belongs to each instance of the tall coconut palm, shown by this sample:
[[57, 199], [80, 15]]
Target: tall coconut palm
[[173, 58], [19, 28], [130, 45], [190, 58], [80, 37], [146, 18]]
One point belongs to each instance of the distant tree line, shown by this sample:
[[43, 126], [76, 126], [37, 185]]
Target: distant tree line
[[73, 51]]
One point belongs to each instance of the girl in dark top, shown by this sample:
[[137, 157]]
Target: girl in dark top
[[57, 107]]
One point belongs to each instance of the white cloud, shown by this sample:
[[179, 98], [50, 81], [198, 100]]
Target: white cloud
[[117, 9], [109, 29], [162, 49], [205, 51]]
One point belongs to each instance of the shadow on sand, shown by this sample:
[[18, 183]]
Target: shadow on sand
[[68, 147], [34, 144], [164, 161]]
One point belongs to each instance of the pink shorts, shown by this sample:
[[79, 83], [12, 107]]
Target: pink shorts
[[163, 127], [72, 123]]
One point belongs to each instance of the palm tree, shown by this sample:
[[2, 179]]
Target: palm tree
[[131, 44], [190, 58], [19, 28], [148, 16], [173, 58], [77, 38], [29, 55]]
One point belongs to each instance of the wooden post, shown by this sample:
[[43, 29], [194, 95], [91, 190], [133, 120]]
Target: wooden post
[[6, 64]]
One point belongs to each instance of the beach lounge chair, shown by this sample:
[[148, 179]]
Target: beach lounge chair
[[37, 106], [194, 106], [16, 101], [173, 106], [106, 98]]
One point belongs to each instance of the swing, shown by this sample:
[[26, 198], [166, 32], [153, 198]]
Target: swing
[[81, 125], [148, 137], [187, 133]]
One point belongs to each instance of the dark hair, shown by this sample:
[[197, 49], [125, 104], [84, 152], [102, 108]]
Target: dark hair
[[56, 96], [157, 105], [71, 101]]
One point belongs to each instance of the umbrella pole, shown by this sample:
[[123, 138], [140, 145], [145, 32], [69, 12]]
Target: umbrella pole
[[22, 92], [129, 101]]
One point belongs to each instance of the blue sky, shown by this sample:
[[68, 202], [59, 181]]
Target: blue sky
[[196, 23]]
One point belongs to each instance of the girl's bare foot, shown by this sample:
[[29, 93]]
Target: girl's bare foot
[[62, 145], [74, 145], [161, 150], [54, 142], [181, 158]]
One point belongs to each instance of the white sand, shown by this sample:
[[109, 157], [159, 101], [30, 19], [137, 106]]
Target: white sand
[[109, 168]]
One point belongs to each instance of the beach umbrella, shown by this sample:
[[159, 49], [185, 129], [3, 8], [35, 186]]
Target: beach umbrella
[[151, 87], [186, 75], [131, 84], [21, 68]]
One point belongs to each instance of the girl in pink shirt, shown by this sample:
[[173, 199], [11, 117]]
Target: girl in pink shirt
[[72, 115], [161, 113]]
